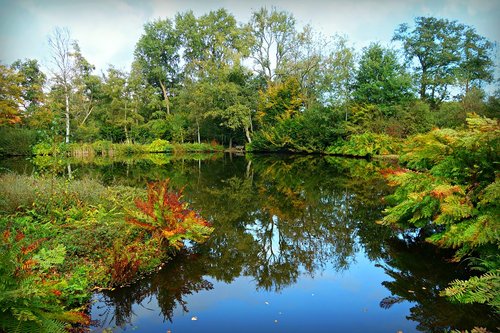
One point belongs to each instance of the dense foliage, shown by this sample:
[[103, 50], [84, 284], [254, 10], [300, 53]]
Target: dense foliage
[[450, 195], [267, 83]]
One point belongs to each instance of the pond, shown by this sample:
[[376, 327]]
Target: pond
[[296, 248]]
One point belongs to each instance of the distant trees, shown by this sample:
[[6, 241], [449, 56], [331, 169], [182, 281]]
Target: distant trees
[[157, 56], [380, 79], [447, 53], [209, 77]]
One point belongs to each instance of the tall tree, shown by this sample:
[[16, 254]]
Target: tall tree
[[210, 42], [118, 102], [157, 53], [235, 100], [339, 73], [306, 63], [273, 32], [476, 65], [444, 50], [86, 87], [60, 44], [380, 79]]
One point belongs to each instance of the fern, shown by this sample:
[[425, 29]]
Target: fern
[[477, 289], [167, 217], [454, 191], [28, 301]]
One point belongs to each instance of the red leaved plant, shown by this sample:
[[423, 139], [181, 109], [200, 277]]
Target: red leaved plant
[[167, 217]]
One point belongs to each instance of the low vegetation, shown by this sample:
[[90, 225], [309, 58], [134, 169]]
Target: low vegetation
[[62, 238]]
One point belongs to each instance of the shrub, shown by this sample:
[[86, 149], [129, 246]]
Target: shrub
[[29, 302], [366, 144], [455, 197], [159, 146], [167, 217]]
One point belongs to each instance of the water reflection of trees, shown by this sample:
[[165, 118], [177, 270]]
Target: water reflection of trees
[[419, 272], [278, 217], [183, 276], [282, 217]]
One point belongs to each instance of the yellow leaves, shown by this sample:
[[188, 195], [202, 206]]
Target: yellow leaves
[[443, 191]]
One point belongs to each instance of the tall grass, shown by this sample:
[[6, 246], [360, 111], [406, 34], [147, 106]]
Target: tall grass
[[16, 141], [22, 192]]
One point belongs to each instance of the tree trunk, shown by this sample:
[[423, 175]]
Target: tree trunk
[[247, 134], [165, 96], [230, 142], [423, 83], [198, 130], [66, 112]]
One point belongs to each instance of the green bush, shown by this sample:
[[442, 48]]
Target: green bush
[[159, 146], [366, 144], [196, 148], [102, 147], [309, 132]]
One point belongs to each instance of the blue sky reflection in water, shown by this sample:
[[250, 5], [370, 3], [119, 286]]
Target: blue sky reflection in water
[[285, 228], [297, 232], [331, 301]]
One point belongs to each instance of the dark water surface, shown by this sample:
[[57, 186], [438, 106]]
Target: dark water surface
[[295, 249]]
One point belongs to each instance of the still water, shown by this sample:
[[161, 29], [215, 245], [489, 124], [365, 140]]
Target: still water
[[296, 248]]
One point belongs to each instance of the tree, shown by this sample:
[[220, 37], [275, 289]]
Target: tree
[[32, 80], [157, 53], [445, 50], [306, 62], [380, 79], [273, 34], [235, 99], [339, 74], [60, 44], [210, 42], [86, 87], [476, 64], [118, 102], [10, 96], [279, 102]]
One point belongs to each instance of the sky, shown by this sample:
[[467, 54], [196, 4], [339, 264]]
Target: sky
[[107, 30]]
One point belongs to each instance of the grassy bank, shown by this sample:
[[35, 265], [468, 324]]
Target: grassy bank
[[60, 239], [107, 148]]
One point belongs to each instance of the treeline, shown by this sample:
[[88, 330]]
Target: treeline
[[266, 82]]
